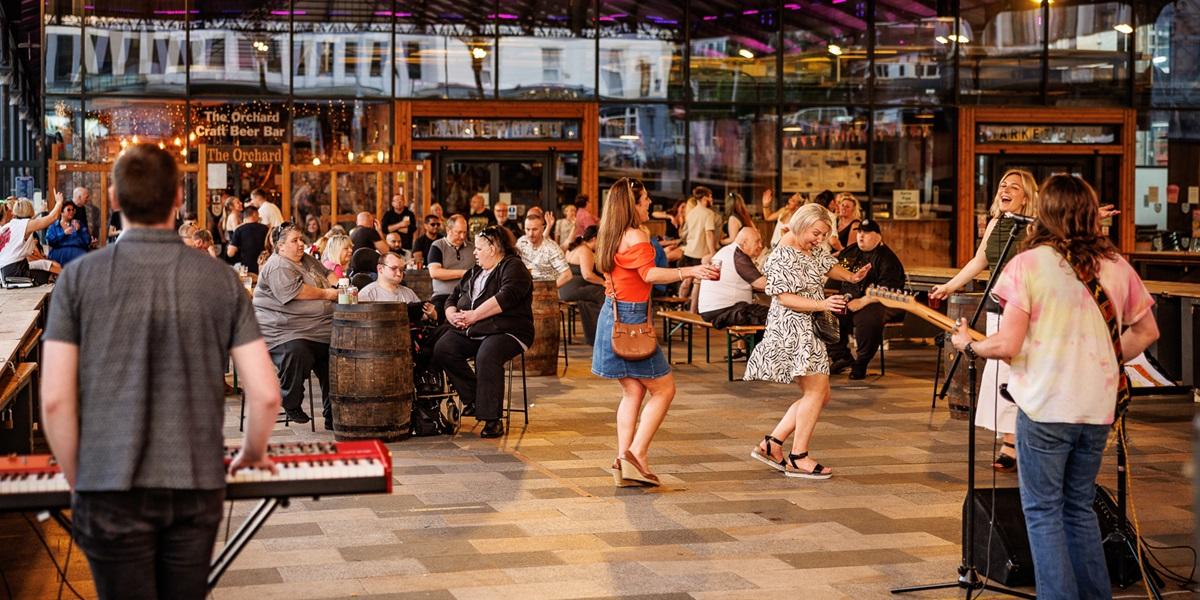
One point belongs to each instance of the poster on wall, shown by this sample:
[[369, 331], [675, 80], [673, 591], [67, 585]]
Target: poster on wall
[[906, 204], [814, 171]]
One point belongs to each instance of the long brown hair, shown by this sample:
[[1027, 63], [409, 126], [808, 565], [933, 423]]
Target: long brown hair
[[735, 206], [618, 216], [1069, 221]]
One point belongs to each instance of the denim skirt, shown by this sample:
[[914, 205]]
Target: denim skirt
[[606, 363]]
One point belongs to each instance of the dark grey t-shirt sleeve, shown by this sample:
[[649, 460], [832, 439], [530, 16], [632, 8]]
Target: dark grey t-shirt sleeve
[[283, 280], [62, 324], [745, 267], [245, 325], [435, 254]]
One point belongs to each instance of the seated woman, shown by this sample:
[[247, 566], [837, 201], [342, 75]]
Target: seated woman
[[336, 256], [67, 237], [491, 310], [41, 269], [294, 307], [586, 287]]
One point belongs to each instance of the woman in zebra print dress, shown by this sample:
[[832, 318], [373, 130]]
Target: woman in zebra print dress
[[790, 351]]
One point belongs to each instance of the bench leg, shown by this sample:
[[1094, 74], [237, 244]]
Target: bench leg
[[707, 347], [690, 332], [670, 339], [729, 354]]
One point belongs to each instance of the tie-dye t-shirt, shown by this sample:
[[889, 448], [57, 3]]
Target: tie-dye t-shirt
[[1065, 371]]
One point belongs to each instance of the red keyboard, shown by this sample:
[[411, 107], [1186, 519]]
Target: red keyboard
[[34, 482]]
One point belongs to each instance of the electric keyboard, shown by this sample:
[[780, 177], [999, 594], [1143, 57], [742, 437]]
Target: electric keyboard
[[34, 482]]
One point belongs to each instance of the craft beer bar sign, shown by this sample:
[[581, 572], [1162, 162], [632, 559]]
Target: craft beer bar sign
[[251, 132], [244, 154]]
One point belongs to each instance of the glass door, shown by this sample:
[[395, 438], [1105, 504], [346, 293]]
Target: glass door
[[521, 180]]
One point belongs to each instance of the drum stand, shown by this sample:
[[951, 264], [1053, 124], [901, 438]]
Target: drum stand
[[968, 576]]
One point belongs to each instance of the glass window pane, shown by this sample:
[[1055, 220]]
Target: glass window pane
[[825, 51], [1001, 61], [1089, 53], [64, 49], [1166, 151], [733, 51], [444, 56], [644, 141], [913, 191], [113, 123], [341, 49], [914, 53], [641, 49], [547, 50], [824, 148], [240, 50], [136, 49], [733, 150], [64, 122], [1167, 62], [341, 131]]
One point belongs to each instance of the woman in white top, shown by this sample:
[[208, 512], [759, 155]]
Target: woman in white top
[[14, 231], [781, 216]]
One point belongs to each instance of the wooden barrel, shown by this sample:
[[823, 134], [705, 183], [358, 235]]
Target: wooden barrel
[[962, 306], [420, 282], [542, 356], [370, 372]]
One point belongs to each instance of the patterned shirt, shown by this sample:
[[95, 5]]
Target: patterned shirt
[[153, 345], [545, 261]]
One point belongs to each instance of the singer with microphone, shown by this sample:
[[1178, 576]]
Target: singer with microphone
[[1011, 212]]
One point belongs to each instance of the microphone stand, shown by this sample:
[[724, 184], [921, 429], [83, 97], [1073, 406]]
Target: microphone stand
[[945, 387]]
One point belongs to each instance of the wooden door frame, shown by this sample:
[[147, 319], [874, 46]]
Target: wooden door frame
[[56, 165], [969, 149], [588, 144], [419, 169]]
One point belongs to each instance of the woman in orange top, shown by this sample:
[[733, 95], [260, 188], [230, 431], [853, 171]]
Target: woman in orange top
[[625, 256]]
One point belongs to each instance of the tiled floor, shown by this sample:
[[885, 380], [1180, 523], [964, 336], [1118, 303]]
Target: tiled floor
[[535, 514]]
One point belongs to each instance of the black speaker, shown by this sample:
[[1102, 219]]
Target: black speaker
[[1002, 548], [1123, 568]]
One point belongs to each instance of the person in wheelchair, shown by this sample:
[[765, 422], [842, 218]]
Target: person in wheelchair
[[864, 316]]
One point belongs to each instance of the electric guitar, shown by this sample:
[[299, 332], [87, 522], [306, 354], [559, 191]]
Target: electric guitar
[[908, 303]]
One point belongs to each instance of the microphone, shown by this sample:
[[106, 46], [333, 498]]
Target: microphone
[[1021, 219]]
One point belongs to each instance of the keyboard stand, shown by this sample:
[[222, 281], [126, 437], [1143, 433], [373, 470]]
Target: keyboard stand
[[235, 544]]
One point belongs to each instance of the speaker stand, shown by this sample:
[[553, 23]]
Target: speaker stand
[[1120, 535], [968, 576]]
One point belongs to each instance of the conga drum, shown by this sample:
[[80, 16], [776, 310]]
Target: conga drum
[[542, 356], [962, 306], [370, 372], [419, 281]]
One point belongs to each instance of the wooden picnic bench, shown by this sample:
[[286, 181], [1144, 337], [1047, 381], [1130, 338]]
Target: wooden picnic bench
[[685, 321]]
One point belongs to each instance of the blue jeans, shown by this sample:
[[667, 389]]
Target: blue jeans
[[148, 543], [1059, 463]]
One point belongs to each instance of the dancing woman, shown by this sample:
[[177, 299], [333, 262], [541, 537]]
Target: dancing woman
[[790, 350]]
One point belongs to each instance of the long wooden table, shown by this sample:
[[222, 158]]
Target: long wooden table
[[22, 317]]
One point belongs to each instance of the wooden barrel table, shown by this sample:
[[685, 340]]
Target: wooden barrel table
[[542, 356], [370, 372], [419, 281], [962, 306]]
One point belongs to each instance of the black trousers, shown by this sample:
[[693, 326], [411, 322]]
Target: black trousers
[[483, 387], [294, 360], [867, 327], [588, 298], [145, 544]]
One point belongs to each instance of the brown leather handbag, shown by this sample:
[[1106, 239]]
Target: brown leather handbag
[[629, 341]]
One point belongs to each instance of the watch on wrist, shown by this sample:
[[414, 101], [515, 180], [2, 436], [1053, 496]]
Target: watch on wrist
[[970, 352]]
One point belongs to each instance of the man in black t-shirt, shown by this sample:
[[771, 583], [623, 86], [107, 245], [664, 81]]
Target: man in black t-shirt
[[400, 219], [248, 240], [366, 233], [479, 218], [864, 316], [432, 232]]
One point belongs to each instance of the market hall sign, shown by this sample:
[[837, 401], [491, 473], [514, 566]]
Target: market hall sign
[[243, 154]]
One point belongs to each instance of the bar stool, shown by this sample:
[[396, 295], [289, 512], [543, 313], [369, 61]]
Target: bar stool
[[282, 417], [508, 409]]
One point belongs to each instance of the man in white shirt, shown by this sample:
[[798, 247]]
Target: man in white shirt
[[268, 213], [544, 259], [729, 299]]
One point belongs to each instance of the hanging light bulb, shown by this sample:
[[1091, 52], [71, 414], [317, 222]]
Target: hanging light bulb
[[192, 136], [162, 146], [316, 162], [379, 155], [350, 156], [177, 141], [135, 139]]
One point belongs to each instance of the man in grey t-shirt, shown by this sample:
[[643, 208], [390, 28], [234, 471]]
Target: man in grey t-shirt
[[293, 303], [133, 393], [449, 258]]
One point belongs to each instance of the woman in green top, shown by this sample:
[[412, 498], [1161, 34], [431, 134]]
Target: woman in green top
[[1017, 194]]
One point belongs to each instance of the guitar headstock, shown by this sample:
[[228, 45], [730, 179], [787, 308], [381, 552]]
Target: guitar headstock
[[890, 295]]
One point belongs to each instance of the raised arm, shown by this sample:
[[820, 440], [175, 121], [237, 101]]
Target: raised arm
[[39, 223], [973, 267]]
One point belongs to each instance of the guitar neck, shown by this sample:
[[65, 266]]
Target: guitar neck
[[910, 305]]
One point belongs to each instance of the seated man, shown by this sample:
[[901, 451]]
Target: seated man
[[394, 242], [728, 300], [389, 287], [865, 316], [544, 259], [366, 233]]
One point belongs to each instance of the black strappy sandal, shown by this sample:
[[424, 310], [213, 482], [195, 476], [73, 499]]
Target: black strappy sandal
[[791, 469], [768, 458], [1005, 463]]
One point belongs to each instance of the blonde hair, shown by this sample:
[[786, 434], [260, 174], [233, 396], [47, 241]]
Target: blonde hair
[[22, 209], [618, 216], [1028, 185], [808, 215], [334, 247], [187, 230], [857, 214]]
